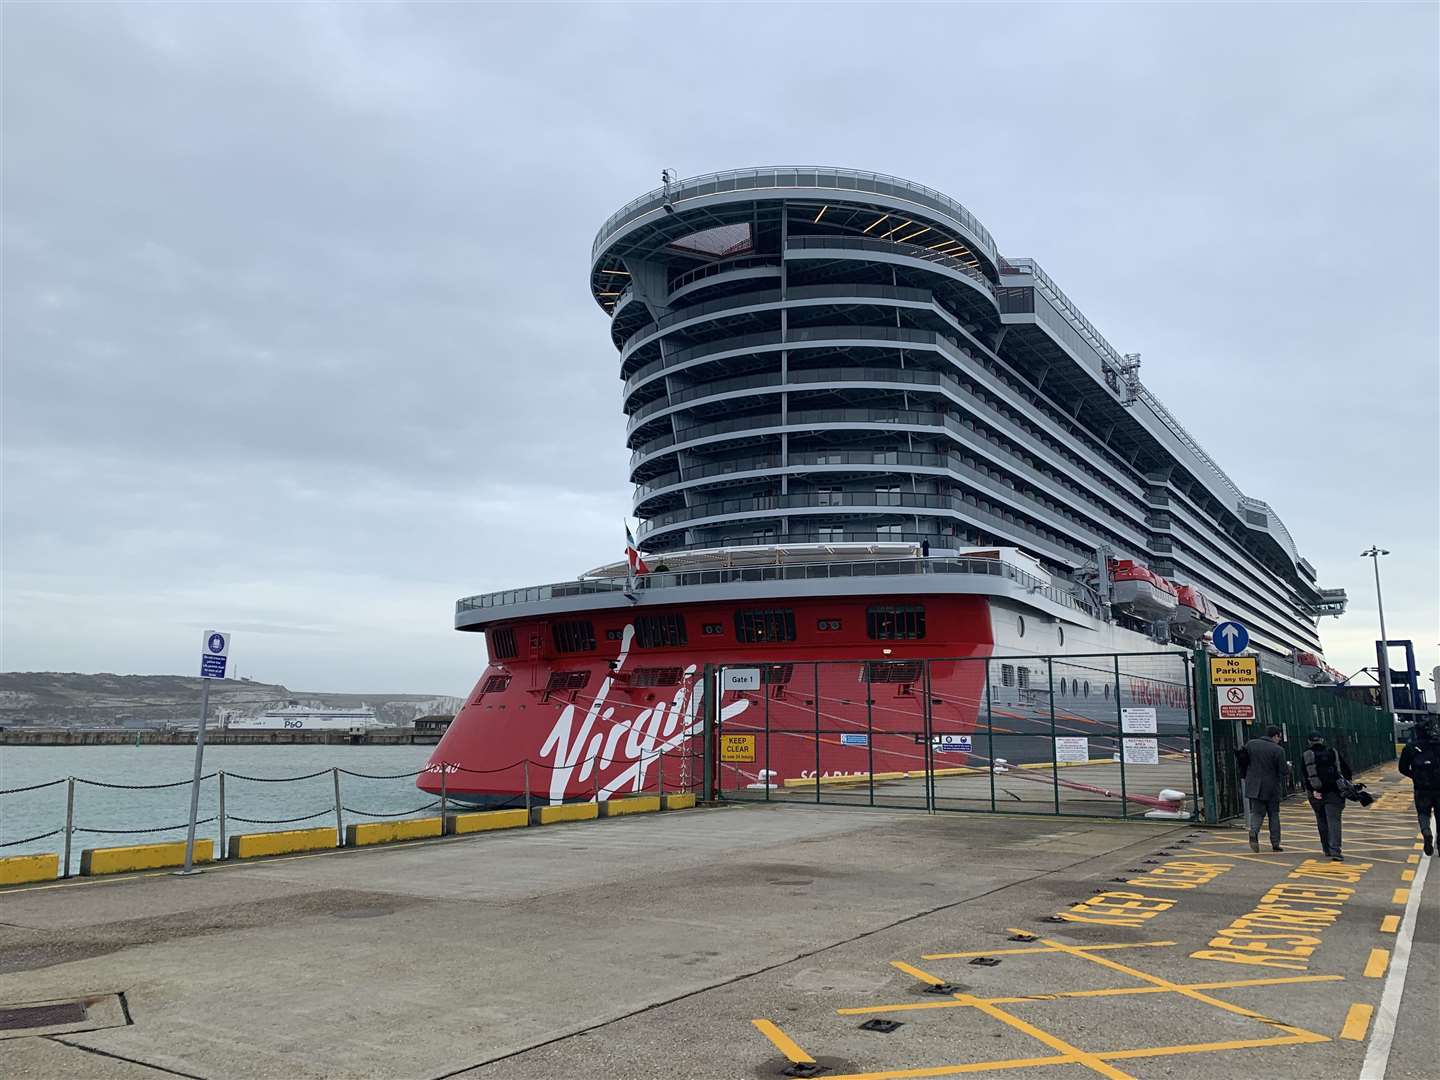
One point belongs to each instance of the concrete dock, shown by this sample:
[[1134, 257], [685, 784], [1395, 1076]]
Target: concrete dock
[[749, 941]]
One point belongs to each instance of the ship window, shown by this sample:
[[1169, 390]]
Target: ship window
[[756, 625], [502, 642], [616, 634], [828, 624], [1107, 691], [659, 631], [895, 623], [1074, 687], [714, 628], [1023, 674], [892, 671], [655, 676], [1060, 634], [494, 684], [1087, 687], [1007, 675], [576, 636], [1020, 624], [568, 680], [776, 674]]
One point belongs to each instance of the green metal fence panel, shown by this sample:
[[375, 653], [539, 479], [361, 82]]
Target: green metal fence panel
[[1364, 735]]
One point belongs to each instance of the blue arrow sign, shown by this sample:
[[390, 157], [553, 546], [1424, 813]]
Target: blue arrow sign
[[1230, 638]]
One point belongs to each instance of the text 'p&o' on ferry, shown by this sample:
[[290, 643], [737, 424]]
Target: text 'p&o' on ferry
[[861, 436]]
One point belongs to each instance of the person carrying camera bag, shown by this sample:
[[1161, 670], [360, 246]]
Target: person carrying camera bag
[[1420, 761], [1327, 776]]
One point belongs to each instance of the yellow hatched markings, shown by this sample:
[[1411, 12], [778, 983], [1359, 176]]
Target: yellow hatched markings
[[1412, 859], [782, 1042], [1378, 962], [1071, 1052], [1037, 949], [1179, 988], [1390, 924], [1357, 1022], [1401, 896], [1407, 875], [1113, 991]]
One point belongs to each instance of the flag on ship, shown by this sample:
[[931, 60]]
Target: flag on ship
[[632, 553]]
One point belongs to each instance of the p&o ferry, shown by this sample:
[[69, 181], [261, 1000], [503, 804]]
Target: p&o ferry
[[861, 436]]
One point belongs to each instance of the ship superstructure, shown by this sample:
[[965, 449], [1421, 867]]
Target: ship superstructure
[[839, 395]]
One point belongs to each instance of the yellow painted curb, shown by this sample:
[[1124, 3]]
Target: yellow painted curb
[[18, 869], [484, 820], [685, 801], [117, 860], [252, 845], [549, 815], [387, 832], [640, 804]]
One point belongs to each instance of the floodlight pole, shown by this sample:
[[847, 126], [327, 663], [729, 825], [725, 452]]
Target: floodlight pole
[[1374, 554]]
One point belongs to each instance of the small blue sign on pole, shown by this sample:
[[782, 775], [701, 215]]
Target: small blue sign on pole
[[215, 655], [1230, 638]]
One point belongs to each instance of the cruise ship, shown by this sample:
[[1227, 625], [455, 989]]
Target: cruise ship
[[296, 717], [860, 435]]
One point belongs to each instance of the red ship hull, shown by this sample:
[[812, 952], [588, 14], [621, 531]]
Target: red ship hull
[[621, 718]]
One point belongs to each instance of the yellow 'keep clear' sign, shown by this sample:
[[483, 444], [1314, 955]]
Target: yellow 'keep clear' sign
[[1234, 671], [737, 747]]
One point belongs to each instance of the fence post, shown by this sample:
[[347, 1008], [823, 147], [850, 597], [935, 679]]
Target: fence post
[[221, 853], [444, 774], [1209, 776], [660, 777], [1054, 765], [527, 786], [69, 821], [595, 776], [709, 714], [339, 821], [990, 732], [1120, 741]]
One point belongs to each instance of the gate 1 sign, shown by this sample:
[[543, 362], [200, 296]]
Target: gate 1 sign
[[1072, 748], [742, 678], [1236, 702], [737, 748], [1142, 752], [1138, 721]]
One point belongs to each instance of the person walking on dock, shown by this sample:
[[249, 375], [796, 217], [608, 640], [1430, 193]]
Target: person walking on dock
[[1266, 769], [1420, 761], [1324, 769]]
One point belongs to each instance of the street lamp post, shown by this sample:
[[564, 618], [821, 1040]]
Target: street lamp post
[[1374, 554]]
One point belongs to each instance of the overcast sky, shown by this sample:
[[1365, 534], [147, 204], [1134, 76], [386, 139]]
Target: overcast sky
[[298, 343]]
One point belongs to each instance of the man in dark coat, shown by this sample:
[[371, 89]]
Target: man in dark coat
[[1324, 768], [1266, 770], [1420, 761]]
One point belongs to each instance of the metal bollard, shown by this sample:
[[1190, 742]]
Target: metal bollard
[[339, 821], [69, 821], [221, 853]]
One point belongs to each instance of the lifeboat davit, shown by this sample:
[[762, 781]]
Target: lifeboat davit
[[1138, 590]]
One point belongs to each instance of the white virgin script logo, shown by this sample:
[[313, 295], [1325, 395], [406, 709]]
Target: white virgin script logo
[[637, 742]]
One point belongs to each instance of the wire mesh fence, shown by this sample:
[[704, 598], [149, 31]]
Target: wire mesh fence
[[1108, 734]]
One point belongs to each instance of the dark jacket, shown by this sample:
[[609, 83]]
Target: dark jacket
[[1420, 761], [1266, 770], [1324, 765]]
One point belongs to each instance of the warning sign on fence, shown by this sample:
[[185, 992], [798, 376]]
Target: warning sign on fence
[[1236, 702], [737, 748], [1234, 671]]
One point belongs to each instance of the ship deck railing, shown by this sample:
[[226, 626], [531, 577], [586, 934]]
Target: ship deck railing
[[806, 571]]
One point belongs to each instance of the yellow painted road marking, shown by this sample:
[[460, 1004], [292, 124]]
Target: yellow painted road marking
[[1412, 859], [1389, 924], [1402, 896], [923, 976], [783, 1042], [1118, 991], [1357, 1022], [1378, 962], [1074, 1053], [1407, 875], [1036, 949], [1155, 980], [1115, 1055]]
